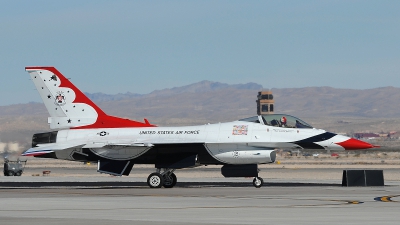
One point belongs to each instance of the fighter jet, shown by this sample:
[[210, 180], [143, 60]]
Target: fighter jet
[[84, 132]]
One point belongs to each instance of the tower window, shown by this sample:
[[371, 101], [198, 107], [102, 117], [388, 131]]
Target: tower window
[[264, 108]]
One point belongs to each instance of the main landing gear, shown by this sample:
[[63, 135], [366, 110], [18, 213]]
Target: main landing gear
[[159, 179]]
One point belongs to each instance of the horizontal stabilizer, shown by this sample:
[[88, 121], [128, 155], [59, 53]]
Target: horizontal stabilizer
[[34, 152], [48, 148], [59, 146]]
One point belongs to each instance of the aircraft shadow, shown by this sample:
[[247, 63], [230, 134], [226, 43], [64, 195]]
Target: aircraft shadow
[[111, 185]]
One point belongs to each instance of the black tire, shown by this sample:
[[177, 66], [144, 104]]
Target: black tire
[[10, 173], [155, 180], [170, 180], [18, 173], [258, 182]]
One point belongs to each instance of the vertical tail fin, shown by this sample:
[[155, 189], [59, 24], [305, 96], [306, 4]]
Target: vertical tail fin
[[68, 106]]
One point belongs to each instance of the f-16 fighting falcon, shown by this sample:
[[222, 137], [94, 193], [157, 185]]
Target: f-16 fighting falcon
[[83, 132]]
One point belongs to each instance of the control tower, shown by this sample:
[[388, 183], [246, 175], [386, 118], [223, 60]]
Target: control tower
[[265, 103]]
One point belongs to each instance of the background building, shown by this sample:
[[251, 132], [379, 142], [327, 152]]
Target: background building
[[265, 103]]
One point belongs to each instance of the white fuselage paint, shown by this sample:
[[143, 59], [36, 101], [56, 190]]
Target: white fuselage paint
[[237, 142]]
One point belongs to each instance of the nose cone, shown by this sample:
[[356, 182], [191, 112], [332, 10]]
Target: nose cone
[[354, 144]]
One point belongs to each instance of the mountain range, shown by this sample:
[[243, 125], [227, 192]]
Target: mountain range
[[210, 102]]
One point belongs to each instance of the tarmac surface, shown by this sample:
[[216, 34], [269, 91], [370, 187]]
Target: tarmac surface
[[112, 200]]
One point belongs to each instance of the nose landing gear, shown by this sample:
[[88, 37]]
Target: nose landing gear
[[166, 179], [258, 182]]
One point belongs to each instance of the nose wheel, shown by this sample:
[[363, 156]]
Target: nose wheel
[[258, 182]]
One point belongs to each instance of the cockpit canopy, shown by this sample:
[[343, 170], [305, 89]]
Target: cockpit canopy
[[279, 120]]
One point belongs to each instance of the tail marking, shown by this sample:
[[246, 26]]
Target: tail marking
[[69, 107]]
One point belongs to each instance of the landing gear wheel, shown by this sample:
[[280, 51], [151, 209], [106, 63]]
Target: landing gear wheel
[[155, 180], [169, 180], [258, 182]]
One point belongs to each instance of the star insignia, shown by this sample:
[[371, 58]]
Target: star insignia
[[48, 96], [69, 120], [103, 133]]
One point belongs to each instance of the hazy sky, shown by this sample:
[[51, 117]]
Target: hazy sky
[[140, 46]]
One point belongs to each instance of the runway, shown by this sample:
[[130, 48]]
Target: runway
[[50, 200]]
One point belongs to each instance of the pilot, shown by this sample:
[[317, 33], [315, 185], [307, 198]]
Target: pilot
[[283, 121]]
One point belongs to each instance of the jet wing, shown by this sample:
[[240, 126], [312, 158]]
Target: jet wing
[[110, 144], [139, 143], [48, 148]]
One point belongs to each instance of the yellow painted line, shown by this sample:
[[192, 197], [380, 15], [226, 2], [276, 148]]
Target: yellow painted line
[[355, 202], [387, 198]]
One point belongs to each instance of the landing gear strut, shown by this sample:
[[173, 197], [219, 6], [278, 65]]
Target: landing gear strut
[[167, 178], [258, 182]]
